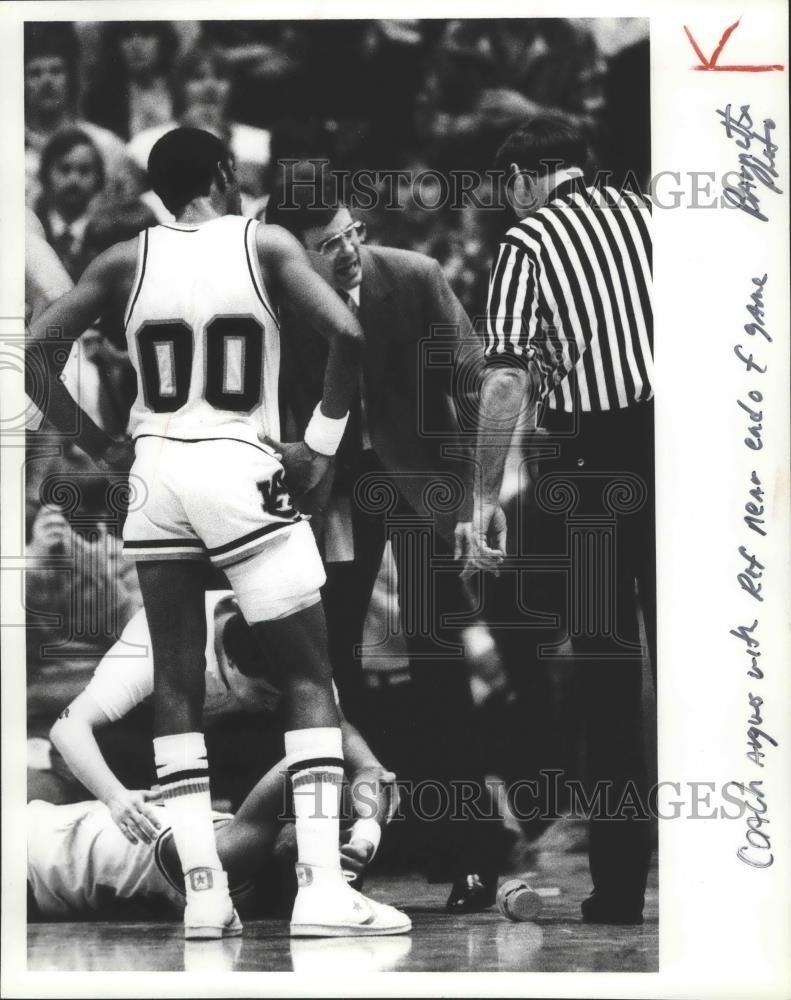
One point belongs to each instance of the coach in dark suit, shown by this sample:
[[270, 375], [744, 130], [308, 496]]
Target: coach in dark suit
[[391, 481]]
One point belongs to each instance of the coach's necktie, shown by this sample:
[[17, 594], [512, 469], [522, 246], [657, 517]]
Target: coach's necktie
[[357, 413]]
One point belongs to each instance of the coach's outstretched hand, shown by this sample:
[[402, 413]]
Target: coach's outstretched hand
[[303, 466], [135, 818], [481, 542]]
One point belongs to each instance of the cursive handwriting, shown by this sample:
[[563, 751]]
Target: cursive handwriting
[[754, 509], [757, 839], [755, 736], [755, 307], [756, 848], [755, 429], [751, 574], [756, 162], [751, 643]]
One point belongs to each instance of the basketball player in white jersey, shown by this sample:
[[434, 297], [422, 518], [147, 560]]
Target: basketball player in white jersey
[[124, 679], [200, 304], [79, 864]]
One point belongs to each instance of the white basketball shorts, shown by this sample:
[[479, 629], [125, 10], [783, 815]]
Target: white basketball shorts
[[218, 499]]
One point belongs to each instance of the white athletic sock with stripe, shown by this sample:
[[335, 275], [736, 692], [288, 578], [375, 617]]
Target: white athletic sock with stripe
[[314, 758], [183, 776]]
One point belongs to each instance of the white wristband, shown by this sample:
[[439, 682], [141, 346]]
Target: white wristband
[[323, 434], [367, 829]]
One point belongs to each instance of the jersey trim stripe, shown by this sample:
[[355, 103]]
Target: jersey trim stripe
[[260, 292], [151, 550], [142, 256], [164, 555], [249, 444], [165, 543], [222, 550]]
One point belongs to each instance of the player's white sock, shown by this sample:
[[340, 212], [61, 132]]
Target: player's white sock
[[315, 761], [183, 776]]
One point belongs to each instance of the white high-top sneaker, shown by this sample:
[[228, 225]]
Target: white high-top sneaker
[[209, 913], [327, 907]]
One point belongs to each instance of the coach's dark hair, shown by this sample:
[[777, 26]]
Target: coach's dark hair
[[183, 164], [305, 195], [544, 145], [62, 143]]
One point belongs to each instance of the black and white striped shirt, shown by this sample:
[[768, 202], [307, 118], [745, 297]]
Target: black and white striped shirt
[[571, 292]]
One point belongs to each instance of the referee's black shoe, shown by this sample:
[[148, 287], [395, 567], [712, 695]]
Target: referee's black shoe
[[471, 894], [600, 910]]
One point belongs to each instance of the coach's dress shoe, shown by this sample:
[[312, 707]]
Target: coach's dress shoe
[[598, 909], [471, 894]]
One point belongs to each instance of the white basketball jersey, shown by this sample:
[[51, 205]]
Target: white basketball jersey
[[202, 334], [79, 862]]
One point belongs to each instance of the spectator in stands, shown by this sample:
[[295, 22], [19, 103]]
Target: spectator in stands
[[131, 93], [78, 593], [80, 218], [71, 175], [201, 98], [272, 64], [486, 77], [50, 60]]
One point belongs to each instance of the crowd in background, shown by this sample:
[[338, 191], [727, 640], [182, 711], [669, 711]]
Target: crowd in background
[[424, 96]]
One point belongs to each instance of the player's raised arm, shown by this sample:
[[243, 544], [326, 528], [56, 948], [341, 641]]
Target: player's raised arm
[[51, 337], [289, 276]]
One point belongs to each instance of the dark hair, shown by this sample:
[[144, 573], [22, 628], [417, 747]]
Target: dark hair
[[62, 143], [107, 99], [187, 66], [305, 196], [116, 31], [183, 164], [543, 145], [240, 645], [53, 39]]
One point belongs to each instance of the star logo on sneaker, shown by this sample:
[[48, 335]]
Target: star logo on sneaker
[[304, 875], [200, 879], [358, 907]]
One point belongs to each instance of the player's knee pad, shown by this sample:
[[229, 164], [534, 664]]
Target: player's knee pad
[[281, 579]]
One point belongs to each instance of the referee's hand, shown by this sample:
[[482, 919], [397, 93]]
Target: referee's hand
[[481, 542]]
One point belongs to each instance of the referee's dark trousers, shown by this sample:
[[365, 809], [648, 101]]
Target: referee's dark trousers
[[593, 505]]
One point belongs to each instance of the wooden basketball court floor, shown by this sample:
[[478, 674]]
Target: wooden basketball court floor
[[483, 942]]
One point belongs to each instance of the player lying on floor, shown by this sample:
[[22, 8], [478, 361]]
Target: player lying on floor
[[81, 866], [124, 679]]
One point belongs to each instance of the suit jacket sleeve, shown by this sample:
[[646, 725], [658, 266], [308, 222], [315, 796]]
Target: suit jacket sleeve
[[451, 400]]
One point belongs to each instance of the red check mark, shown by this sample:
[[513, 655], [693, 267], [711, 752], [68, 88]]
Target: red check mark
[[711, 64]]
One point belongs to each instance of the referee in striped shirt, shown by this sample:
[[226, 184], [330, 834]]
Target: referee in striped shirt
[[569, 328]]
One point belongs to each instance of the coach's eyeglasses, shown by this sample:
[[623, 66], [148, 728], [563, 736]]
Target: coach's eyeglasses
[[354, 232]]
